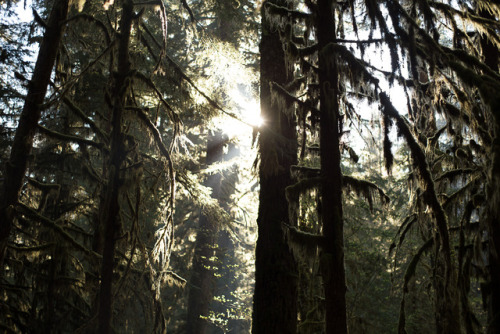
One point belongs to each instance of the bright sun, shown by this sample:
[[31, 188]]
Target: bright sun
[[247, 109]]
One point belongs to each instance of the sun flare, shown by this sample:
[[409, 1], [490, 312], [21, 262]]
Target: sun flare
[[247, 111]]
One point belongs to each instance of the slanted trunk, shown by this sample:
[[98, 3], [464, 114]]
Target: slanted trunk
[[275, 296], [332, 257], [202, 280], [110, 211], [15, 168]]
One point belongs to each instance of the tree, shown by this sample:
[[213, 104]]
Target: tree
[[117, 130], [415, 38], [25, 132], [275, 296]]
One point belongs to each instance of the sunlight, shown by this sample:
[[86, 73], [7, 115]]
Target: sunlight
[[247, 109], [250, 111]]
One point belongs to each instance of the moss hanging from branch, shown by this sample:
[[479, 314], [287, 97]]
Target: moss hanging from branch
[[388, 156], [420, 163], [55, 226], [365, 188], [281, 11], [304, 245], [357, 71]]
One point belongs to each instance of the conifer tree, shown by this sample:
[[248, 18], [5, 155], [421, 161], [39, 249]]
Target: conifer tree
[[16, 166], [275, 296]]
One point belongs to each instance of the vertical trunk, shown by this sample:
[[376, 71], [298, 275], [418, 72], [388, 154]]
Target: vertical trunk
[[275, 296], [15, 168], [202, 280], [332, 258], [109, 212], [491, 58], [494, 235]]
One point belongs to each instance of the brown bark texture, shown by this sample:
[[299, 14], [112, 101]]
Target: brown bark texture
[[492, 59], [275, 295], [332, 257]]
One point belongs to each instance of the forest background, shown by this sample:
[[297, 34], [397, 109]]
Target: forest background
[[141, 191]]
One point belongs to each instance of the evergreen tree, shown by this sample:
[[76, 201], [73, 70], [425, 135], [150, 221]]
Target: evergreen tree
[[275, 296]]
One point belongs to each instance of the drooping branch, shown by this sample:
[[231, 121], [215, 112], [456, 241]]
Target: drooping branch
[[355, 65], [290, 97], [24, 209], [73, 107], [365, 188], [86, 17], [303, 186], [70, 138], [174, 117], [451, 175], [310, 179], [304, 245], [420, 163], [156, 135]]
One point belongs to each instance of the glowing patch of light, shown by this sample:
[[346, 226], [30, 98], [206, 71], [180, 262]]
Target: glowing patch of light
[[247, 110], [250, 112]]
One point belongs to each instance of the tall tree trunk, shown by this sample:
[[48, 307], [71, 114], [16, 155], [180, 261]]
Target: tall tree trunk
[[275, 296], [15, 168], [494, 235], [492, 58], [202, 280], [110, 211], [332, 257]]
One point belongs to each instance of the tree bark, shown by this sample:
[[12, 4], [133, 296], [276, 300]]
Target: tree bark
[[275, 296], [332, 257], [110, 211], [494, 235], [491, 58], [16, 167]]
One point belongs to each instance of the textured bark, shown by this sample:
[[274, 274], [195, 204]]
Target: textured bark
[[494, 236], [110, 211], [202, 280], [16, 167], [275, 296], [492, 58], [332, 257]]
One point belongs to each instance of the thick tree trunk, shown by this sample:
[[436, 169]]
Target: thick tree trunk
[[110, 211], [332, 257], [202, 280], [494, 236], [491, 58], [15, 168], [275, 296]]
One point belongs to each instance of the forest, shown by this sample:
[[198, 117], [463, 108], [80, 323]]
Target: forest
[[245, 166]]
